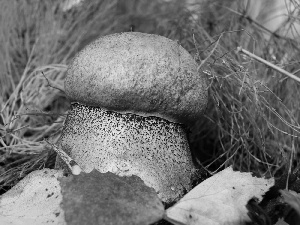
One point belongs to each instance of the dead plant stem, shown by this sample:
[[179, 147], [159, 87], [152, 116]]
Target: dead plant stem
[[280, 70]]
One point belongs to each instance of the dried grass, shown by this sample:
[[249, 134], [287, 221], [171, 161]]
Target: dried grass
[[254, 109], [252, 120]]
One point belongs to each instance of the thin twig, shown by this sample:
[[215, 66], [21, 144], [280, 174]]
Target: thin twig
[[52, 85], [280, 70], [67, 159]]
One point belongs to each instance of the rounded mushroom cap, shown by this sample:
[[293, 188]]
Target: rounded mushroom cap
[[138, 73]]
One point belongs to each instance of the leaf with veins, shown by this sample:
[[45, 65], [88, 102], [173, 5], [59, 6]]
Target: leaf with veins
[[221, 199]]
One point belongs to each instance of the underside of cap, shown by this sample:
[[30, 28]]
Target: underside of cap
[[139, 73]]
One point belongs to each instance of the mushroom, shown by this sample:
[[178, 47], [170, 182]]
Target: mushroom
[[133, 95]]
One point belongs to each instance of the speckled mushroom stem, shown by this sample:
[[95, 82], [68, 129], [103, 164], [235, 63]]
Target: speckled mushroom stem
[[152, 148]]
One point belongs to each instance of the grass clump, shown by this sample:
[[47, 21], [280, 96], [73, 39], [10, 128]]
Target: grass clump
[[37, 40], [254, 107], [252, 119]]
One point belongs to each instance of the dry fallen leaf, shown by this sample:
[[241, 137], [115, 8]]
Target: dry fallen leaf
[[292, 198], [105, 198], [47, 197], [281, 222], [221, 199], [35, 200]]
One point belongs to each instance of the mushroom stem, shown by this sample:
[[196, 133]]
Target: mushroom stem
[[152, 148]]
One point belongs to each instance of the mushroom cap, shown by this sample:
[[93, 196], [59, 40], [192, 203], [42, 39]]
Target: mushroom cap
[[138, 73]]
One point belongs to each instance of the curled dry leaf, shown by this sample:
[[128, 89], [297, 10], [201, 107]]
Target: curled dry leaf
[[292, 214], [292, 198], [221, 199], [105, 198], [47, 197], [35, 200], [281, 222]]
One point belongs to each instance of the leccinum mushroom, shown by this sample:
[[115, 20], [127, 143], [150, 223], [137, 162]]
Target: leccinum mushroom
[[131, 93]]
